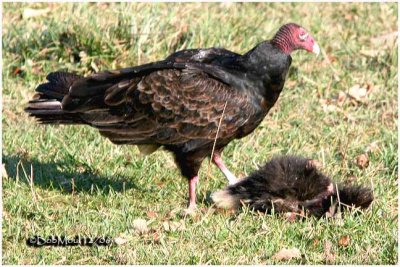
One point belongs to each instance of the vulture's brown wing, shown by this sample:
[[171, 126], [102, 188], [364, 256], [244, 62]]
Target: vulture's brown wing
[[179, 105]]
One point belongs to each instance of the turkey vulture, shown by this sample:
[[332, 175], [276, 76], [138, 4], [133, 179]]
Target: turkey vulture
[[289, 184], [182, 103]]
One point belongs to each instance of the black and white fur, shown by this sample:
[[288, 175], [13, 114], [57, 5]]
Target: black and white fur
[[291, 184]]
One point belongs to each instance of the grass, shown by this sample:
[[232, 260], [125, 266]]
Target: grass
[[82, 184]]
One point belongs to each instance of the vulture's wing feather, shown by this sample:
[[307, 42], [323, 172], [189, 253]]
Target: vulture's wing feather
[[177, 101], [176, 107], [94, 85]]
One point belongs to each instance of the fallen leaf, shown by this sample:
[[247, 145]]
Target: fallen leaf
[[30, 13], [370, 88], [349, 17], [344, 241], [140, 226], [341, 98], [362, 161], [330, 108], [329, 255], [156, 237], [327, 106], [17, 71], [120, 241], [171, 226], [358, 93], [151, 214], [287, 254]]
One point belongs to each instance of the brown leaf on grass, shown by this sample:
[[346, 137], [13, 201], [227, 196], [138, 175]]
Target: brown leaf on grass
[[331, 58], [344, 241], [362, 161], [160, 184], [358, 93], [327, 106], [287, 254], [140, 226], [172, 226], [17, 71], [330, 108], [329, 255], [349, 17], [156, 237], [121, 239], [341, 98], [151, 214], [370, 88], [30, 13]]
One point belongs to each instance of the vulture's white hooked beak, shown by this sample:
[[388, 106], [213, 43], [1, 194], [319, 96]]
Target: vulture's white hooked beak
[[315, 49]]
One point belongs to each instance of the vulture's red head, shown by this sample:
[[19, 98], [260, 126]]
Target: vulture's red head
[[291, 37]]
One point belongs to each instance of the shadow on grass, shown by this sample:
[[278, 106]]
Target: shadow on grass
[[48, 175]]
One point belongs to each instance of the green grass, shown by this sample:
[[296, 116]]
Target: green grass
[[82, 184]]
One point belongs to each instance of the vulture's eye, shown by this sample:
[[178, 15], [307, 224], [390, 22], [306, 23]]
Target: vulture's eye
[[303, 36]]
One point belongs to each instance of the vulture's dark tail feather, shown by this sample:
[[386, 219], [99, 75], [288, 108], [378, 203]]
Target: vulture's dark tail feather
[[46, 104]]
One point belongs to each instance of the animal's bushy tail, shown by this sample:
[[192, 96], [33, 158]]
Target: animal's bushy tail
[[226, 199], [46, 104], [357, 196]]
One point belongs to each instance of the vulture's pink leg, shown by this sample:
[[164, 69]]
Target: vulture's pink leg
[[220, 164], [192, 192]]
